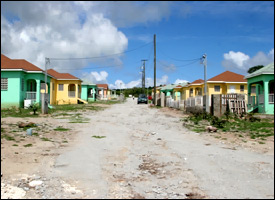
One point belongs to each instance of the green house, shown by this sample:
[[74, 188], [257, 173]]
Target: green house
[[21, 82], [88, 92], [168, 89], [261, 90]]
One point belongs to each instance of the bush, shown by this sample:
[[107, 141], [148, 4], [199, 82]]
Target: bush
[[34, 107]]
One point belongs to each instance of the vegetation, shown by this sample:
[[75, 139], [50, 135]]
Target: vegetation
[[59, 128], [135, 91], [255, 68], [17, 112], [27, 145], [248, 124], [34, 107], [98, 137]]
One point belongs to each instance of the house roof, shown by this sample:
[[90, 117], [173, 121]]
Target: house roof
[[64, 76], [105, 86], [7, 63], [198, 81], [168, 87], [269, 69], [228, 76]]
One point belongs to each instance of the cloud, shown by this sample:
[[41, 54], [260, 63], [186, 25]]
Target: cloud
[[180, 81], [149, 82], [167, 67], [95, 77], [127, 13], [241, 62], [58, 30]]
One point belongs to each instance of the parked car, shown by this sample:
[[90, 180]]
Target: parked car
[[142, 98]]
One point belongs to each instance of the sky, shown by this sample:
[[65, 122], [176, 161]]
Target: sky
[[105, 42]]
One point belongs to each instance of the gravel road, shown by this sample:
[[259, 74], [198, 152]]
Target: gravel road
[[145, 154]]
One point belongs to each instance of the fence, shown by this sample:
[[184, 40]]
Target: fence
[[235, 103], [31, 95]]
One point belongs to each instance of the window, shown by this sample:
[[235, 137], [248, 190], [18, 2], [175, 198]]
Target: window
[[217, 88], [242, 88], [60, 87], [191, 92], [22, 84], [4, 83], [253, 89]]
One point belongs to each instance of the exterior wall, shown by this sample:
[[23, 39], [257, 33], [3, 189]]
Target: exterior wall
[[15, 94], [62, 97], [12, 96], [84, 92], [264, 79], [225, 88], [53, 91]]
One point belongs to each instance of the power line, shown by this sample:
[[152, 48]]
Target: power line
[[102, 56], [180, 65], [176, 58]]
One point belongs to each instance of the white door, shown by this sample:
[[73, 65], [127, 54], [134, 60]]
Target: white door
[[231, 89]]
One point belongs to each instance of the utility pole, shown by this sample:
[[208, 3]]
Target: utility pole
[[143, 76], [155, 96], [44, 100], [204, 61]]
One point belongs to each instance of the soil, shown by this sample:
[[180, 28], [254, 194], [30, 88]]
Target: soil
[[131, 151]]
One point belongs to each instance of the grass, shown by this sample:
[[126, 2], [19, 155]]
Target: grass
[[27, 145], [7, 137], [61, 129], [108, 102], [45, 139], [15, 145], [98, 137], [18, 112]]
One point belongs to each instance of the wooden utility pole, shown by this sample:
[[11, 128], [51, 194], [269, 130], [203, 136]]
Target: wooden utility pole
[[155, 90], [143, 76]]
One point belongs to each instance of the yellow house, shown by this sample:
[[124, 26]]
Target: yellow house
[[193, 89], [65, 88], [226, 83]]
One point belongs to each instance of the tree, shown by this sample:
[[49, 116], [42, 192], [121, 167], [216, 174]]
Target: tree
[[255, 68]]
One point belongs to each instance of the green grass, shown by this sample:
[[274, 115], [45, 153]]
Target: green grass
[[21, 112], [27, 145], [61, 129], [65, 141], [7, 137], [15, 145], [45, 139], [108, 102], [98, 137]]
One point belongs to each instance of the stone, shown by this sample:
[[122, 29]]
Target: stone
[[35, 183]]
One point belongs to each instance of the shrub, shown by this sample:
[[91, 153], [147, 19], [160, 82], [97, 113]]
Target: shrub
[[34, 107]]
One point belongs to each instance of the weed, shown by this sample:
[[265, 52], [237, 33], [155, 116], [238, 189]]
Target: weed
[[7, 137], [28, 145], [45, 139], [15, 145], [98, 137], [65, 141], [59, 128], [261, 142]]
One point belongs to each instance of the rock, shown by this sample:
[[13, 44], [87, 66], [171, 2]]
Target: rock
[[35, 183], [211, 128]]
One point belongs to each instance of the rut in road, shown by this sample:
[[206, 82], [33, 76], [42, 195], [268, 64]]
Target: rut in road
[[146, 154]]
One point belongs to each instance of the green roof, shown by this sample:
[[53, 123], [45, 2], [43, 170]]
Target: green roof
[[269, 69]]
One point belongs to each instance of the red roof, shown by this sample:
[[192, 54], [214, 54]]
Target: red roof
[[199, 81], [7, 63], [105, 86], [228, 76], [58, 75]]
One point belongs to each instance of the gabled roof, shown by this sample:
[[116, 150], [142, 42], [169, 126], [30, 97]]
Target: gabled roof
[[61, 76], [20, 64], [269, 69], [228, 76], [197, 82], [105, 86], [168, 87]]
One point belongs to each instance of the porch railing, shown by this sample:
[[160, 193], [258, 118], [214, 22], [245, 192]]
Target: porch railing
[[31, 95], [261, 98], [71, 94], [271, 98]]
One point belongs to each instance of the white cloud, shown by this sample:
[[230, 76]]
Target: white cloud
[[238, 58], [95, 77], [55, 30], [240, 62], [180, 81]]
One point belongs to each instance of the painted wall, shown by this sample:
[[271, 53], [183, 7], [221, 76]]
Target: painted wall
[[62, 96], [12, 96], [225, 88]]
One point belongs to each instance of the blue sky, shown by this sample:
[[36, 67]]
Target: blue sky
[[234, 35]]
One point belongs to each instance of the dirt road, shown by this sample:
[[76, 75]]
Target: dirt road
[[145, 154]]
